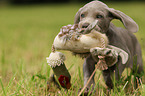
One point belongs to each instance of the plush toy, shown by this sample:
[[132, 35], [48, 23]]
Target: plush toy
[[80, 41], [56, 61]]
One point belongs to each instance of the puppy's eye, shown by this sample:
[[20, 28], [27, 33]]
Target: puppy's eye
[[99, 16], [82, 15]]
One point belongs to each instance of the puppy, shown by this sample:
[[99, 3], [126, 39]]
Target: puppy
[[118, 37]]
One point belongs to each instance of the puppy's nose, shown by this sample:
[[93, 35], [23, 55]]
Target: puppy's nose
[[85, 25]]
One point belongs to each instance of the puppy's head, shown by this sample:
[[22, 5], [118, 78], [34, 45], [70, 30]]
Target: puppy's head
[[97, 10]]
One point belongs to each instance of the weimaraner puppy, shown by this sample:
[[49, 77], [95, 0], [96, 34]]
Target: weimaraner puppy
[[118, 37]]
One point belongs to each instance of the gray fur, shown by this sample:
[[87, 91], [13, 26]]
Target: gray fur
[[118, 37]]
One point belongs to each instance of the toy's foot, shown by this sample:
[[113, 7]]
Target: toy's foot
[[69, 32], [100, 51], [111, 56]]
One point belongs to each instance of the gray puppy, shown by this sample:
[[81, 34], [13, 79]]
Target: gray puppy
[[118, 37]]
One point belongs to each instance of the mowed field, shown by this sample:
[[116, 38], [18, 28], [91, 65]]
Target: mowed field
[[26, 36]]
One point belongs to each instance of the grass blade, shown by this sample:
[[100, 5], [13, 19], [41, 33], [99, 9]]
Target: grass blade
[[3, 87], [10, 82], [121, 93], [18, 86], [80, 77], [96, 84], [70, 67]]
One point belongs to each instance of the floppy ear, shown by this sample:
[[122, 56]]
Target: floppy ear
[[77, 17], [124, 55], [128, 22]]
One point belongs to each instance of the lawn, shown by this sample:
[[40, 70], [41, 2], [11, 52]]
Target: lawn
[[26, 36]]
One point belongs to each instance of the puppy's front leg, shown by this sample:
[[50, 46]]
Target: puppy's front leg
[[88, 68], [107, 78]]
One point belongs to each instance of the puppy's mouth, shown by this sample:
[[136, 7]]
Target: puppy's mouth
[[89, 29], [97, 28]]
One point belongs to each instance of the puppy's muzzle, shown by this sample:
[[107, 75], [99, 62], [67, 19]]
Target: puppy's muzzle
[[94, 26], [85, 25]]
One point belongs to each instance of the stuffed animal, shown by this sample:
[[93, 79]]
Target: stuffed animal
[[79, 40], [85, 40]]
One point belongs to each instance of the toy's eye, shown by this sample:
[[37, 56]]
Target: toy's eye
[[99, 16], [82, 15]]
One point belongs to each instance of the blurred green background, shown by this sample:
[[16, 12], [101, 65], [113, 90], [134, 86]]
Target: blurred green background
[[22, 2], [27, 33]]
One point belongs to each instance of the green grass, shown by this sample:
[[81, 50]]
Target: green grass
[[26, 36]]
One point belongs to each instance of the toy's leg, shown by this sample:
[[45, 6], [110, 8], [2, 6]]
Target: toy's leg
[[56, 61], [110, 55]]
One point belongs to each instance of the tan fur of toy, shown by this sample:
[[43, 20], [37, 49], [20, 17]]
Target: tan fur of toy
[[83, 43]]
